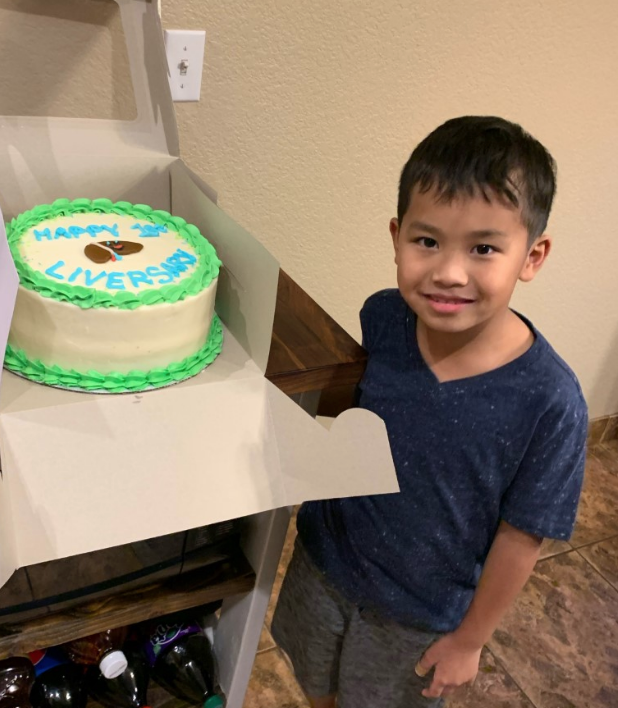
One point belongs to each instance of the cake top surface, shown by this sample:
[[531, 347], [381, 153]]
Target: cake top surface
[[104, 254]]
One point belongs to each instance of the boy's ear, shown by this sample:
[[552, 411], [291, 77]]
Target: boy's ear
[[537, 254], [394, 229]]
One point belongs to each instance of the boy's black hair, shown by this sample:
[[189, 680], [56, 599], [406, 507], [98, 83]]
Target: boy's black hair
[[480, 154]]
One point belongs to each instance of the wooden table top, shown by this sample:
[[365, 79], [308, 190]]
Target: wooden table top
[[309, 350]]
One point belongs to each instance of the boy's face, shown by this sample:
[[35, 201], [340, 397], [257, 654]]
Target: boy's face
[[458, 262]]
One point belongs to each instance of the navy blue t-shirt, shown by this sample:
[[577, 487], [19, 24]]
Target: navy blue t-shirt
[[508, 444]]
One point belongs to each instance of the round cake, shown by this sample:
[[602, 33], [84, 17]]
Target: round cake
[[113, 297]]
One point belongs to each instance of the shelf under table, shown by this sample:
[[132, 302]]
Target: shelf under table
[[198, 587]]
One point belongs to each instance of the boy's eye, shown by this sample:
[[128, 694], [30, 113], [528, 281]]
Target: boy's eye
[[426, 242], [484, 250]]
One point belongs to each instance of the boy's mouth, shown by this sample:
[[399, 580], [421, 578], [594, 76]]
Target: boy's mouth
[[447, 304]]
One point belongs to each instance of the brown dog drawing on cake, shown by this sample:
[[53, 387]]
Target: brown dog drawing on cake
[[105, 251]]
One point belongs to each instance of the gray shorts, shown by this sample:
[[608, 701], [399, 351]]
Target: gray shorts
[[338, 648]]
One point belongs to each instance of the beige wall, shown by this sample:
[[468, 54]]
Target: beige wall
[[310, 109]]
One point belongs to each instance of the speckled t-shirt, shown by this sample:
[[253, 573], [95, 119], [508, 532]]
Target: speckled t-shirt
[[508, 444]]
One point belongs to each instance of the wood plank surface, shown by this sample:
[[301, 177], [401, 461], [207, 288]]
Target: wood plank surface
[[309, 350], [182, 592]]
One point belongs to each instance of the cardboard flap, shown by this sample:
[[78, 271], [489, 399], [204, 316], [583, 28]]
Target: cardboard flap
[[9, 282], [143, 180], [9, 561], [248, 279], [35, 146], [353, 458], [117, 469]]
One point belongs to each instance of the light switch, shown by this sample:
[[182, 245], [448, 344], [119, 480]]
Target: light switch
[[185, 60]]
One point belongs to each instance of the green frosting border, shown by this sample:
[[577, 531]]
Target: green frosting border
[[206, 271], [17, 362]]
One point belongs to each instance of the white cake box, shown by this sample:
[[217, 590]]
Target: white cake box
[[83, 472]]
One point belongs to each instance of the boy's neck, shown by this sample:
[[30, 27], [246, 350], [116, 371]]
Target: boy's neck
[[493, 344]]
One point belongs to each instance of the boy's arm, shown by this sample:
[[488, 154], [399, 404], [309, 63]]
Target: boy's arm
[[455, 657], [542, 498], [509, 564]]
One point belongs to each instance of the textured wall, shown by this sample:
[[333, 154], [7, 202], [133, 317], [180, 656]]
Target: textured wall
[[310, 109], [64, 58]]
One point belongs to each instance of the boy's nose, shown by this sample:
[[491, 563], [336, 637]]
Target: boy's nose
[[450, 273]]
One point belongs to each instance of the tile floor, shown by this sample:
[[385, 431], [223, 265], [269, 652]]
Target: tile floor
[[556, 648]]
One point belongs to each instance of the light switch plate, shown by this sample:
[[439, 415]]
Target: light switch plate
[[185, 60]]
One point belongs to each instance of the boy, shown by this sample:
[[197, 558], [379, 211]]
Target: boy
[[487, 427]]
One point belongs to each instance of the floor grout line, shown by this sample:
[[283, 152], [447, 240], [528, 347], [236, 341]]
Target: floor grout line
[[597, 571], [555, 555], [577, 548], [264, 651], [609, 451], [577, 551], [510, 675], [591, 543]]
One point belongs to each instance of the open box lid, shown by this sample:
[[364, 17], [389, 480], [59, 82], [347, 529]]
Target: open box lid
[[40, 149], [83, 472], [154, 129]]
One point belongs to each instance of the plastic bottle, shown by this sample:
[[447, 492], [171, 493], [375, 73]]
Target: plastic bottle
[[16, 679], [102, 649], [58, 683], [127, 690], [183, 663]]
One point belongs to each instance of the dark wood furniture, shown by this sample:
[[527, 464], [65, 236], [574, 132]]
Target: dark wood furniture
[[311, 353], [199, 587], [309, 350]]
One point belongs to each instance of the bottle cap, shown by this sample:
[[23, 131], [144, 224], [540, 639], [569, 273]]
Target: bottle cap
[[113, 664], [213, 702]]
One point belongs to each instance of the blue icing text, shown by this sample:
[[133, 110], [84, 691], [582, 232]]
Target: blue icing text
[[76, 231], [166, 272], [137, 277], [53, 270], [112, 229], [90, 280], [155, 272], [62, 233], [150, 230], [45, 233], [74, 274], [114, 281]]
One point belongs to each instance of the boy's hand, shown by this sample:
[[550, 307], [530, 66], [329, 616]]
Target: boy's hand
[[454, 664]]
